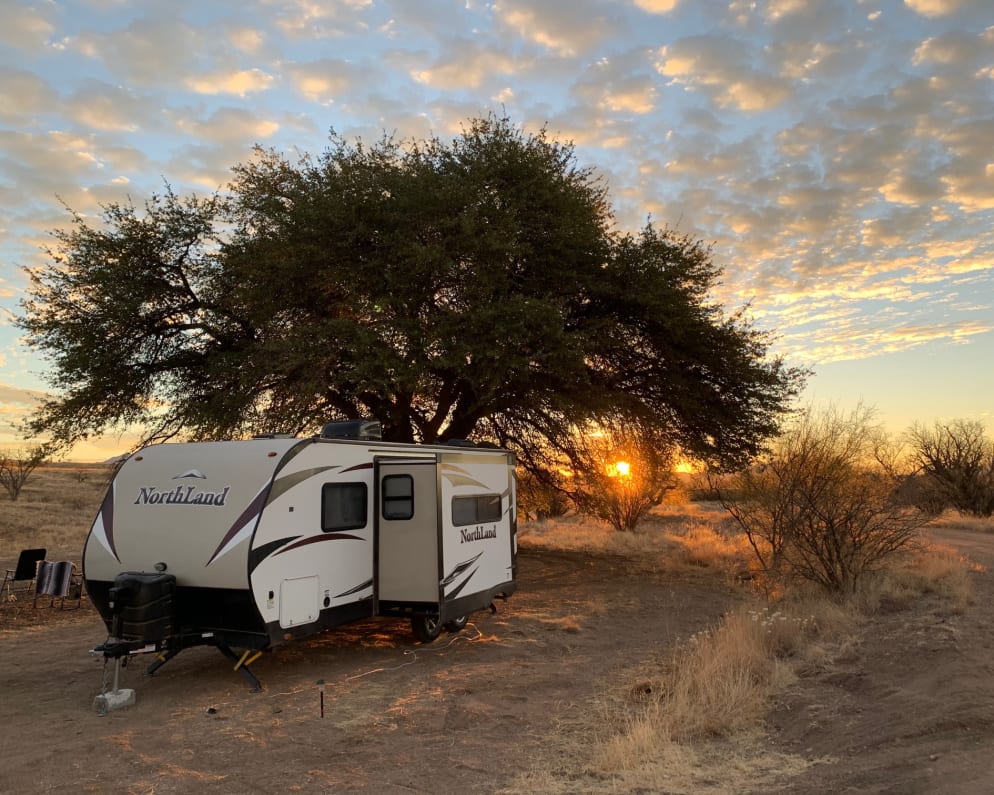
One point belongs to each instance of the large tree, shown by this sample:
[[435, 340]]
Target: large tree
[[449, 289]]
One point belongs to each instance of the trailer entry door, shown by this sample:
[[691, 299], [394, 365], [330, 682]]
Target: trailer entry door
[[407, 522]]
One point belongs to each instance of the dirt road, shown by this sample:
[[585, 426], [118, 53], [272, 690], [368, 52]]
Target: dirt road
[[910, 708]]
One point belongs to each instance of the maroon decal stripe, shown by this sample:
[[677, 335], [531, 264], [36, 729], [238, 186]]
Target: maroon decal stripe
[[315, 539], [247, 515], [357, 467], [107, 512]]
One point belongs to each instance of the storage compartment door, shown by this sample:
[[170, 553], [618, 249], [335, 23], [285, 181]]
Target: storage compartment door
[[407, 531], [299, 601]]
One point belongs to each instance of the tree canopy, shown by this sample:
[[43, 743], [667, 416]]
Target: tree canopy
[[471, 288]]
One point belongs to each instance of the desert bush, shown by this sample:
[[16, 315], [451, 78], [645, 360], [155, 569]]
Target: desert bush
[[618, 474], [821, 505], [16, 468], [956, 460]]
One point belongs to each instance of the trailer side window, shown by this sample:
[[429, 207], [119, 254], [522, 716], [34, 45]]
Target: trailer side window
[[476, 509], [398, 497], [343, 506]]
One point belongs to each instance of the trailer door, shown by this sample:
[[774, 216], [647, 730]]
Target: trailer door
[[407, 531]]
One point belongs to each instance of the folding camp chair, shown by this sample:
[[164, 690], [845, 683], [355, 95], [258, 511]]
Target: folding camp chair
[[58, 581], [24, 572]]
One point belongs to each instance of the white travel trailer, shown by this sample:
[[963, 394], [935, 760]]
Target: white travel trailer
[[251, 543]]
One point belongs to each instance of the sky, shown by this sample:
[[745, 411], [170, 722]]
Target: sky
[[838, 154]]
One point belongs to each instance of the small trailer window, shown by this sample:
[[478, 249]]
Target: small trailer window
[[343, 506], [398, 497], [477, 509]]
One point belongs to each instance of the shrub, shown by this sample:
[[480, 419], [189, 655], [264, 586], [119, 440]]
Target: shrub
[[822, 504], [619, 474], [957, 462], [15, 469]]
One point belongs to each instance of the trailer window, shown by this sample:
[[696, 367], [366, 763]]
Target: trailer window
[[398, 497], [476, 509], [343, 506]]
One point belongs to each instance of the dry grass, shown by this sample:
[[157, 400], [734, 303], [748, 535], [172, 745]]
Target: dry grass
[[55, 510], [690, 723], [674, 536], [951, 520], [930, 569]]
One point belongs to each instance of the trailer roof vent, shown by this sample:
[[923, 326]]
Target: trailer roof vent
[[366, 430]]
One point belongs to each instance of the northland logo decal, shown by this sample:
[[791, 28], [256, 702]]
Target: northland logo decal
[[183, 495], [479, 534], [193, 473]]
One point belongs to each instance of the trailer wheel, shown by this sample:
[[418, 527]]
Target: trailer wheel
[[426, 628], [456, 624]]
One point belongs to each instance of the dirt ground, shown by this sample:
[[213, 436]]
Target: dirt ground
[[911, 708], [908, 709]]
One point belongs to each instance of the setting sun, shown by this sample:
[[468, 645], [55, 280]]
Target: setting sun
[[622, 469]]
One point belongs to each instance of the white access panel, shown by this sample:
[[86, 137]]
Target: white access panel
[[299, 601]]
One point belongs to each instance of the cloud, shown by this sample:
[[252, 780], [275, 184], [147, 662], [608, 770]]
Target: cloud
[[314, 19], [657, 6], [969, 177], [940, 8], [463, 64], [247, 39], [100, 106], [150, 51], [325, 80], [620, 84], [805, 60], [228, 126], [861, 338], [567, 28], [912, 188], [14, 398], [48, 160], [164, 50], [778, 9], [958, 51], [24, 96], [726, 69], [240, 83], [23, 27]]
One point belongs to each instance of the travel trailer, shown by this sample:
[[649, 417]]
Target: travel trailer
[[246, 544]]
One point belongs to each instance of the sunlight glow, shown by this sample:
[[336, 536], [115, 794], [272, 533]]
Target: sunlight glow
[[621, 469]]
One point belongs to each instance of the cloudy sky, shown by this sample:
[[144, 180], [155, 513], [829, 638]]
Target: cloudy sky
[[839, 153]]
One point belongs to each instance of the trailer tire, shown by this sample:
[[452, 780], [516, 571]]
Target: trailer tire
[[457, 624], [426, 628]]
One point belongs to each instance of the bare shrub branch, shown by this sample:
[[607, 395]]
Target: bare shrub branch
[[822, 504], [16, 468], [957, 462]]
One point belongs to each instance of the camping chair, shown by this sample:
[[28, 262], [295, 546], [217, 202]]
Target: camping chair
[[59, 581], [25, 571]]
